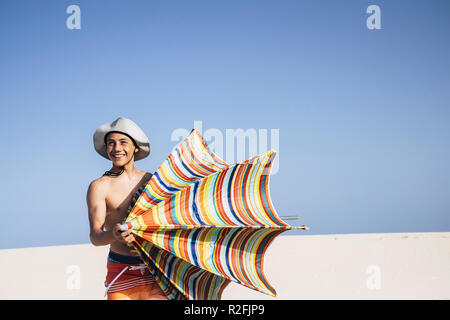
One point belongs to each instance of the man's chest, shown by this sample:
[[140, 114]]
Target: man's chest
[[119, 198]]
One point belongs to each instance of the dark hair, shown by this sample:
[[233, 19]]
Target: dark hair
[[134, 142]]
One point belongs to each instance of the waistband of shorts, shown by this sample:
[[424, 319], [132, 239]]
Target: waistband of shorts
[[119, 258]]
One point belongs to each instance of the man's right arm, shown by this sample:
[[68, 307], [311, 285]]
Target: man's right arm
[[96, 202]]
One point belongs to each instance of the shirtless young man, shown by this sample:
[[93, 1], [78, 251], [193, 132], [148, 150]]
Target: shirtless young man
[[108, 200]]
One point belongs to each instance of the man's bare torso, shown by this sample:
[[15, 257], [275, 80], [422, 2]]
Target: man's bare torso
[[119, 192]]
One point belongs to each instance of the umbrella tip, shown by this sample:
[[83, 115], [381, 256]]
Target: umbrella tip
[[124, 227], [302, 227]]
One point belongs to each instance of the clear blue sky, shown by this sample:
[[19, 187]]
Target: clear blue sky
[[363, 115]]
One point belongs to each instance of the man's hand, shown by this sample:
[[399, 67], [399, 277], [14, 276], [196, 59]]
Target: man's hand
[[122, 236]]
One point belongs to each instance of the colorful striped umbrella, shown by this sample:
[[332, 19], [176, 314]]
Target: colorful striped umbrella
[[200, 223]]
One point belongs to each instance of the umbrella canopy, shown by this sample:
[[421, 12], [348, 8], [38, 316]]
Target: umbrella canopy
[[200, 223]]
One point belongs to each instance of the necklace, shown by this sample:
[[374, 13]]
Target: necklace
[[114, 174]]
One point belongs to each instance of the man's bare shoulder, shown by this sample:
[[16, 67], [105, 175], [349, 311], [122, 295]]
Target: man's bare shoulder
[[144, 174], [100, 185]]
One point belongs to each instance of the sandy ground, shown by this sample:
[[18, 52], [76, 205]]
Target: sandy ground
[[352, 266]]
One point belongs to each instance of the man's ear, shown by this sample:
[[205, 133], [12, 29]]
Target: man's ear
[[136, 150]]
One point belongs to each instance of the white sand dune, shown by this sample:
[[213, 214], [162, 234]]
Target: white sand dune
[[352, 266]]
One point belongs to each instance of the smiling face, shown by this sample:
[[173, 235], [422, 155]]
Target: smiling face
[[120, 148]]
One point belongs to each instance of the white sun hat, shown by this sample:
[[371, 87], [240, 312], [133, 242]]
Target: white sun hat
[[125, 126]]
